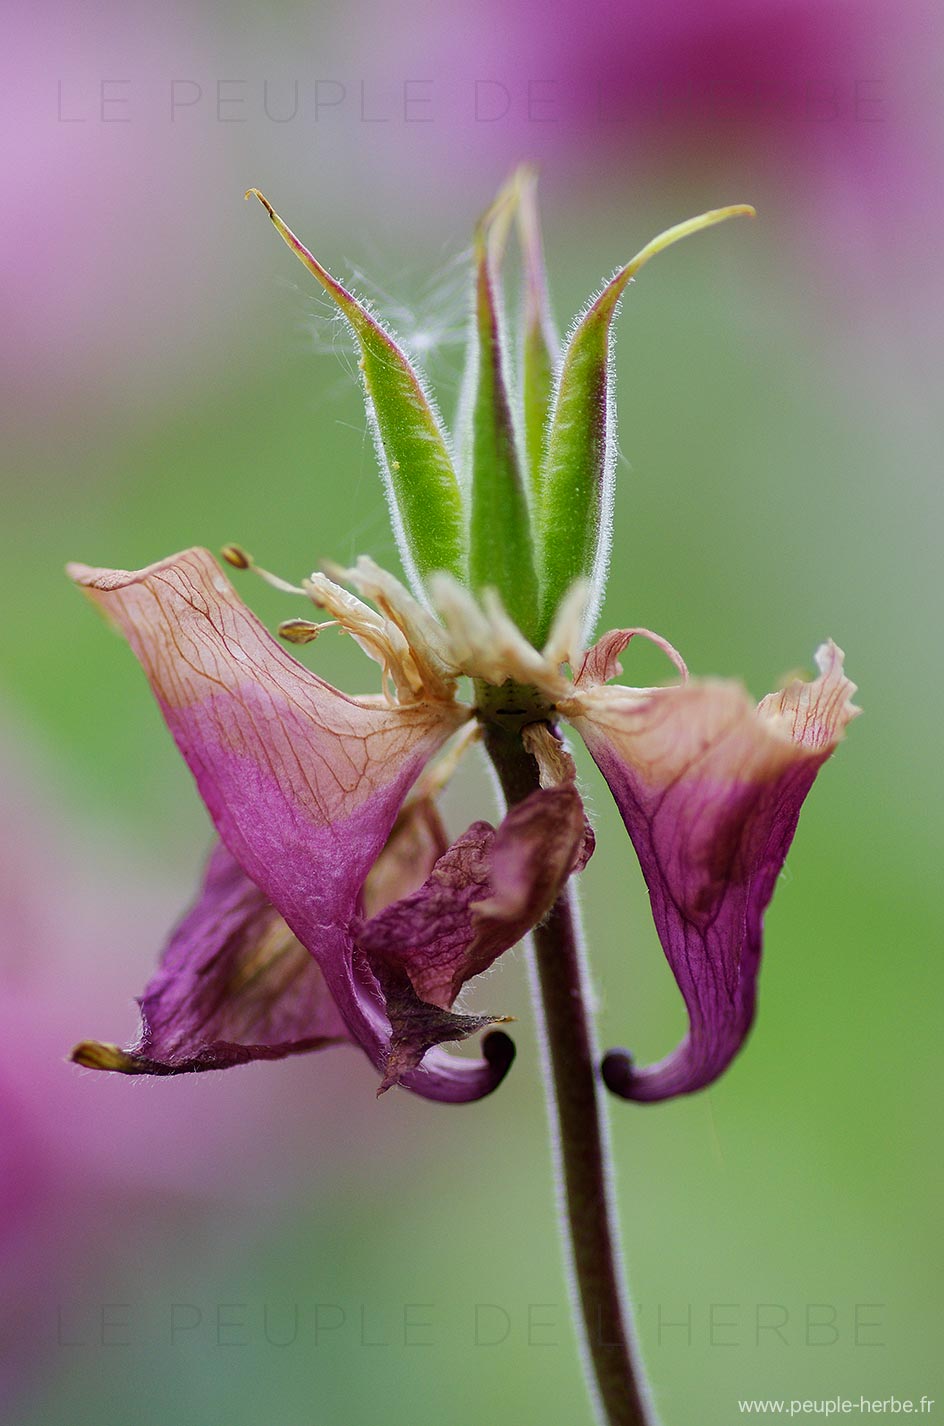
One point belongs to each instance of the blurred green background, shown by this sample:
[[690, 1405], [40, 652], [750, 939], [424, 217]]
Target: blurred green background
[[175, 379]]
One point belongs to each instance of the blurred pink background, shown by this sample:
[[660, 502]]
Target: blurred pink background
[[166, 384]]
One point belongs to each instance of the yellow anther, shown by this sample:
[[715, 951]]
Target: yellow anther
[[303, 631], [236, 556], [240, 559]]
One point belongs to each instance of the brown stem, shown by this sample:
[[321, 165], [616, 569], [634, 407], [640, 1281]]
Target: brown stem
[[575, 1102]]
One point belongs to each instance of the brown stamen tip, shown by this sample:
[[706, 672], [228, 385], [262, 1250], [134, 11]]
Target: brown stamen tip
[[299, 631], [236, 556]]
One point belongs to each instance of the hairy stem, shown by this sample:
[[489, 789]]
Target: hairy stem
[[611, 1365]]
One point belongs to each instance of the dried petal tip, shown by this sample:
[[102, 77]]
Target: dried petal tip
[[93, 1054]]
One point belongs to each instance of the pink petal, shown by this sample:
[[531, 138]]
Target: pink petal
[[303, 783], [710, 789]]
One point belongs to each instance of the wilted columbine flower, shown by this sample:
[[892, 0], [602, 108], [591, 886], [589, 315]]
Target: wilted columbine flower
[[334, 908]]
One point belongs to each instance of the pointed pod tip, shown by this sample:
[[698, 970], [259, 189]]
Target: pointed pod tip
[[491, 231], [605, 305], [686, 229], [520, 184], [257, 193]]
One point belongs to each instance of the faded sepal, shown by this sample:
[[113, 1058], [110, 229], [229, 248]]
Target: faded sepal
[[576, 486], [423, 491], [234, 985], [710, 789]]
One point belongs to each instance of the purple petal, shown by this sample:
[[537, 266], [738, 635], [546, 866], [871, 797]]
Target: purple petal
[[417, 1026], [234, 985], [486, 892], [710, 789], [428, 934], [303, 783]]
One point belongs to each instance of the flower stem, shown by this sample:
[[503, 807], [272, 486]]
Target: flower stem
[[611, 1365]]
